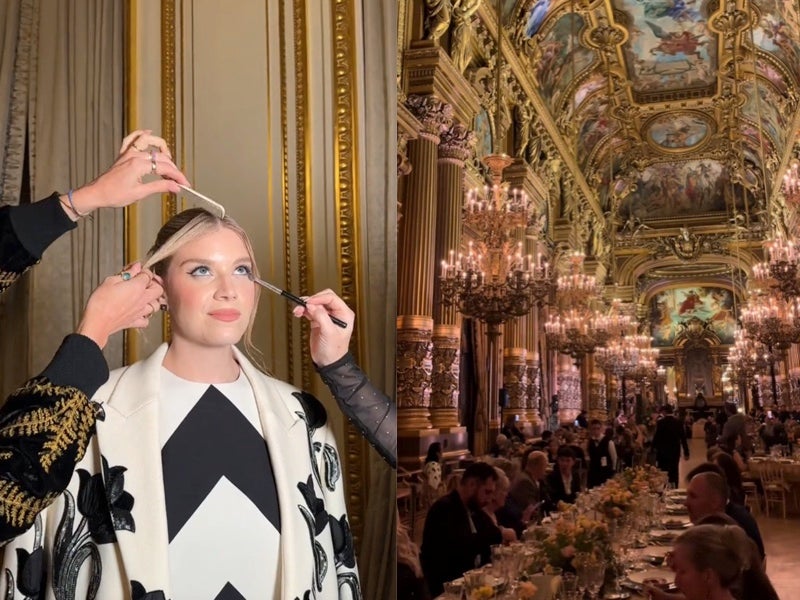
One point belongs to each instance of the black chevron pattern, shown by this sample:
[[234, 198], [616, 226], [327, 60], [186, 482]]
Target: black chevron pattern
[[216, 440]]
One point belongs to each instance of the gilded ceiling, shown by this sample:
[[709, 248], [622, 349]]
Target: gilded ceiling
[[678, 116]]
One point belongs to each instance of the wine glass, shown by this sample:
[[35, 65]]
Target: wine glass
[[595, 575], [454, 590]]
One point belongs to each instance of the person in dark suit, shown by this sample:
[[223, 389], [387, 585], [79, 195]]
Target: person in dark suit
[[458, 533], [563, 484], [668, 440], [529, 493]]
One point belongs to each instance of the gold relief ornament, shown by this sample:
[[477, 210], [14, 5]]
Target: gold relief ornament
[[457, 144], [414, 366], [438, 14], [515, 381], [462, 33], [444, 378], [434, 114]]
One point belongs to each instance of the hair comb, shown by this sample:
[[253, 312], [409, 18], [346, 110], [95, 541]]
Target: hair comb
[[201, 201]]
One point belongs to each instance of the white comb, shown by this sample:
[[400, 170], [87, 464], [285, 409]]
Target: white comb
[[215, 208]]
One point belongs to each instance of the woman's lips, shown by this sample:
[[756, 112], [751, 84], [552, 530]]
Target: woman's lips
[[226, 315]]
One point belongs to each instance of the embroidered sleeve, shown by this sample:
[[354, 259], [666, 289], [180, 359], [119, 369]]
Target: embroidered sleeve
[[25, 232], [44, 431], [45, 427], [364, 405]]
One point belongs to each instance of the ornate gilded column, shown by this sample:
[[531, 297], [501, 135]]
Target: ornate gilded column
[[597, 392], [515, 368], [415, 275], [533, 397], [455, 148]]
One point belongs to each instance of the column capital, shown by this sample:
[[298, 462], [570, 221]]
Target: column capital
[[434, 114], [456, 145]]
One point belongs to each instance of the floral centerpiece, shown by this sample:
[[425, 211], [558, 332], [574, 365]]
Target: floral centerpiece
[[527, 590], [615, 499], [484, 592], [571, 534]]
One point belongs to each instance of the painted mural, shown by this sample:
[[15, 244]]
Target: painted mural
[[671, 48], [779, 22], [678, 189], [671, 309], [596, 125], [483, 134], [562, 59], [771, 74], [679, 130], [773, 120]]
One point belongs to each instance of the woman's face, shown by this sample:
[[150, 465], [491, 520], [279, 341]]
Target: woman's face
[[693, 583], [208, 291]]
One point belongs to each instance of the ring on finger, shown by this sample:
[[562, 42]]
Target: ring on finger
[[125, 275], [153, 162]]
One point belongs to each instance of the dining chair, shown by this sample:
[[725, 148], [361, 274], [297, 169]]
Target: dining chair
[[775, 486]]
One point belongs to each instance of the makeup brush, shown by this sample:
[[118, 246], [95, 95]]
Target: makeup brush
[[290, 296]]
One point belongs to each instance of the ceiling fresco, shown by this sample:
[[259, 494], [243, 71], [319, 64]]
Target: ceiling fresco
[[660, 129], [673, 309]]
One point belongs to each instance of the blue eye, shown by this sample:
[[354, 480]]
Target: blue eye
[[243, 270], [200, 271]]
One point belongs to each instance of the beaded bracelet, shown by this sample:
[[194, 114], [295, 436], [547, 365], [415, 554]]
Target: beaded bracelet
[[72, 206]]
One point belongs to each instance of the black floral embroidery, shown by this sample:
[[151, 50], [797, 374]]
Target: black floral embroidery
[[306, 596], [107, 507], [317, 519], [31, 569], [342, 537], [70, 550], [139, 593], [333, 470], [350, 581]]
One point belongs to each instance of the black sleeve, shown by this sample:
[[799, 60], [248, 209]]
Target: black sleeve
[[372, 411], [25, 232], [45, 427]]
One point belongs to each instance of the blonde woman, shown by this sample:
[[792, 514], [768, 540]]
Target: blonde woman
[[206, 478]]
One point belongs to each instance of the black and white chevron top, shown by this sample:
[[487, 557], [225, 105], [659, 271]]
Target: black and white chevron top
[[222, 505]]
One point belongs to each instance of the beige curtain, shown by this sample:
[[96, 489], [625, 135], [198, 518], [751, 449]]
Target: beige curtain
[[377, 559], [75, 126], [18, 23]]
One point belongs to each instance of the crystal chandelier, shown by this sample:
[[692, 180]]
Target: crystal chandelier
[[773, 321], [781, 269], [791, 182], [494, 281], [576, 329]]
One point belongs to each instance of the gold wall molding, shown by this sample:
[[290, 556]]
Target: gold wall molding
[[347, 189], [169, 204]]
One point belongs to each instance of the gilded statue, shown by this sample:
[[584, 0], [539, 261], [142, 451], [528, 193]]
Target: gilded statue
[[685, 246], [527, 145], [462, 32], [437, 18]]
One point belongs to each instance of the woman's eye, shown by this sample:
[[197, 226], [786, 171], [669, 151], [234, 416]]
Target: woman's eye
[[200, 271], [243, 270]]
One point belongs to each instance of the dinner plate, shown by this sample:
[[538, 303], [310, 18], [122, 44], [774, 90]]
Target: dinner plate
[[676, 509], [639, 577], [660, 551], [664, 535], [674, 523]]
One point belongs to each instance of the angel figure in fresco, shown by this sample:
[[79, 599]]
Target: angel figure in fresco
[[691, 301], [675, 42], [536, 17], [679, 10]]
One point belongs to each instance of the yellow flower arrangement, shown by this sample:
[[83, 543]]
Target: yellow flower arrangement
[[526, 590], [485, 592], [571, 535], [615, 499]]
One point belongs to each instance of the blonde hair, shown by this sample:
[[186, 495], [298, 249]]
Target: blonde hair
[[407, 550], [503, 482], [720, 548], [186, 227]]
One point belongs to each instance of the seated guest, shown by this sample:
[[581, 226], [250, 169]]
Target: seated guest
[[504, 514], [714, 562], [602, 455], [562, 484], [547, 435], [410, 581], [510, 429], [529, 492], [457, 532], [708, 493], [552, 449], [501, 447]]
